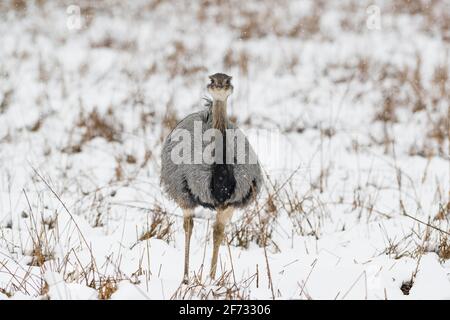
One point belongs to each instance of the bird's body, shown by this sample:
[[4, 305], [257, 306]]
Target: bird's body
[[209, 185], [221, 178]]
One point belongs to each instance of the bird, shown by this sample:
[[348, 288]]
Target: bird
[[223, 180]]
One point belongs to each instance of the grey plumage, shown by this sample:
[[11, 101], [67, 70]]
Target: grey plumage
[[189, 185], [219, 172]]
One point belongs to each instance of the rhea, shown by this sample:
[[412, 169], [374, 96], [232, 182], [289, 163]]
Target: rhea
[[223, 184]]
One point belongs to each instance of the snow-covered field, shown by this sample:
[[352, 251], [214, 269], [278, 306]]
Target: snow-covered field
[[346, 103]]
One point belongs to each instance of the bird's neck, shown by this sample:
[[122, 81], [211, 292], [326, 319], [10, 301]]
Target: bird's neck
[[219, 115]]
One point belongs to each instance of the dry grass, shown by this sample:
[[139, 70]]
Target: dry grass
[[405, 89], [106, 288], [249, 230], [444, 248], [19, 5], [93, 125], [170, 119], [110, 42], [96, 125], [159, 227], [239, 60], [6, 100], [179, 61], [40, 255]]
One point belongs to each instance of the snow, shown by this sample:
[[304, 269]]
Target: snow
[[352, 195]]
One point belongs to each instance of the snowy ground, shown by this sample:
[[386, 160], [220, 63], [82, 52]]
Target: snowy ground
[[346, 103]]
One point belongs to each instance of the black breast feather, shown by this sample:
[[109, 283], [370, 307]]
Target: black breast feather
[[223, 182]]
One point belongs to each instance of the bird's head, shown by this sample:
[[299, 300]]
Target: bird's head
[[220, 86]]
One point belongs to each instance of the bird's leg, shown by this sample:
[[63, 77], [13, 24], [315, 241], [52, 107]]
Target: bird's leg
[[188, 225], [222, 219]]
